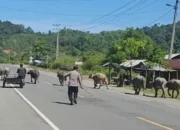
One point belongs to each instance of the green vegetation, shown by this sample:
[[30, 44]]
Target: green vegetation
[[151, 92], [93, 50]]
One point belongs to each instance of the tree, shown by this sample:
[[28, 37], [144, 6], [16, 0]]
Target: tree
[[40, 49]]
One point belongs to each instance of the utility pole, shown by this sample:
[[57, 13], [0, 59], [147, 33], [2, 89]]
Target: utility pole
[[174, 27], [57, 44]]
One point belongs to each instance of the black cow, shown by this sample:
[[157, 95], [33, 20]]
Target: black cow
[[34, 75], [4, 72]]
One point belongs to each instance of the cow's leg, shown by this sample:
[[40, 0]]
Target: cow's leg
[[35, 80], [177, 93], [163, 93], [135, 89], [139, 90], [173, 93], [95, 84], [60, 81], [107, 86], [31, 79], [156, 92], [169, 92], [106, 83], [144, 91], [100, 85]]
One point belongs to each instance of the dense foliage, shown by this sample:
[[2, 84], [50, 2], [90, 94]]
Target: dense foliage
[[150, 43]]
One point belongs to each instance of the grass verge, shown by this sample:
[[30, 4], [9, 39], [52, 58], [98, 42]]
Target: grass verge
[[151, 92]]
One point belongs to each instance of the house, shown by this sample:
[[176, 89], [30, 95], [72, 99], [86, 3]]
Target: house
[[174, 62], [173, 56], [133, 64]]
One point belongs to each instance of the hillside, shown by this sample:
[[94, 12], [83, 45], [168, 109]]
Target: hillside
[[162, 35], [80, 44]]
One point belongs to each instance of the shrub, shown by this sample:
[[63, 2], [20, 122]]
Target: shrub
[[65, 63]]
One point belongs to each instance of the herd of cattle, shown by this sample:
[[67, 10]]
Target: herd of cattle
[[159, 83], [139, 82]]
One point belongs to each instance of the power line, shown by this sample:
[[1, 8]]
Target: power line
[[116, 15], [92, 21], [45, 13], [162, 16]]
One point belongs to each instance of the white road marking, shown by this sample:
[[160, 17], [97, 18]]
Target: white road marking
[[48, 83], [128, 95], [36, 110]]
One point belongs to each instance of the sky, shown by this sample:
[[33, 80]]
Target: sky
[[86, 15]]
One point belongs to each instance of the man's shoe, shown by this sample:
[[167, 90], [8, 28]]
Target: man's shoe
[[75, 102], [71, 103]]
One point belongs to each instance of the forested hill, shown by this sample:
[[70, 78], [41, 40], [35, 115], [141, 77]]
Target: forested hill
[[74, 42], [162, 35]]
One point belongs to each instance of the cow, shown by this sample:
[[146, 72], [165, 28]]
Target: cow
[[159, 83], [99, 78], [61, 77], [4, 72], [139, 82], [173, 84], [34, 75]]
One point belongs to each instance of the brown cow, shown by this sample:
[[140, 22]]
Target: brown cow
[[99, 78]]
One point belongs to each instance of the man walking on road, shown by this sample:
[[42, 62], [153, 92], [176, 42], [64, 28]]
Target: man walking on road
[[74, 83], [21, 73]]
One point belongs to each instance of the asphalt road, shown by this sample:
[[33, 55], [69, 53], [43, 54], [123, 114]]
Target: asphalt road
[[45, 106]]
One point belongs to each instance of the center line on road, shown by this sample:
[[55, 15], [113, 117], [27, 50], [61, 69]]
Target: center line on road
[[48, 83], [154, 123], [36, 109], [129, 96]]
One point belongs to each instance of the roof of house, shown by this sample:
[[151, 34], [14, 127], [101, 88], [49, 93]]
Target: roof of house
[[172, 56], [174, 64], [132, 63], [115, 65], [160, 68]]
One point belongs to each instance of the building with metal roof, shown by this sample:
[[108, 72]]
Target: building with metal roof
[[173, 56], [133, 64]]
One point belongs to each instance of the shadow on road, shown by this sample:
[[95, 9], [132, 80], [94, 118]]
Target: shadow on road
[[65, 103], [10, 87], [130, 93], [29, 83], [91, 87], [56, 85], [149, 96]]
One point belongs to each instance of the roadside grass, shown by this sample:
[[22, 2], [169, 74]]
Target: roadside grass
[[151, 92]]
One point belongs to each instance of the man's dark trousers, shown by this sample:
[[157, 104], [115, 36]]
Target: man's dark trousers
[[72, 90]]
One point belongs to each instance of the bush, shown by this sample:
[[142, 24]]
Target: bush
[[65, 63], [42, 65], [93, 61], [3, 60]]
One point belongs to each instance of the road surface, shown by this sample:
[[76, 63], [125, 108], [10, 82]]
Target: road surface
[[45, 106]]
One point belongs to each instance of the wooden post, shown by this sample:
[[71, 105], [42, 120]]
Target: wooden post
[[177, 76], [131, 75], [169, 76], [153, 75], [109, 72]]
